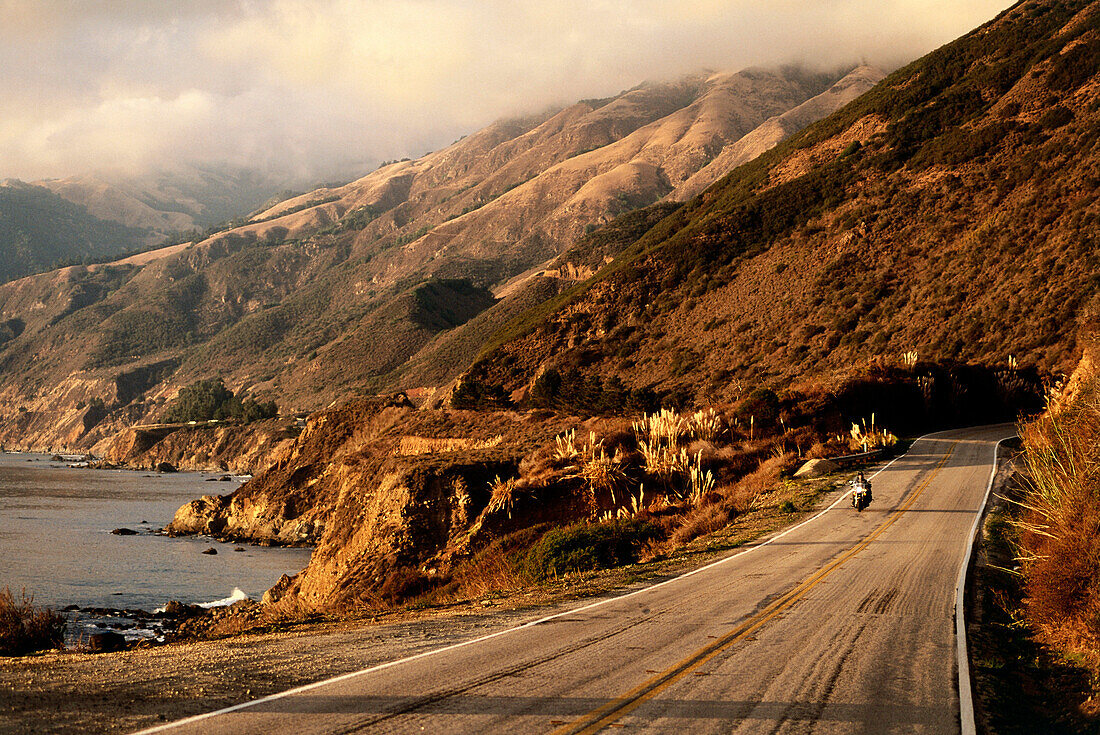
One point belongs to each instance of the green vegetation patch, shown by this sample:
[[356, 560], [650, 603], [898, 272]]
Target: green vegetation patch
[[586, 547], [210, 399]]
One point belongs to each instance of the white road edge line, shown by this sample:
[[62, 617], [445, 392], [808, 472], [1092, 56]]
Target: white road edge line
[[352, 674], [966, 695]]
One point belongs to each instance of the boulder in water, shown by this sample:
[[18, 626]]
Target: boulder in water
[[211, 551]]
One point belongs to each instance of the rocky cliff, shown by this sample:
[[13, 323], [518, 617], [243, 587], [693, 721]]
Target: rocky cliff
[[242, 449], [379, 486]]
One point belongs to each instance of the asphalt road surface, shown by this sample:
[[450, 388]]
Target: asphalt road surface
[[842, 625]]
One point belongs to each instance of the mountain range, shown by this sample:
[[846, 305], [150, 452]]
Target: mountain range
[[335, 292], [949, 215]]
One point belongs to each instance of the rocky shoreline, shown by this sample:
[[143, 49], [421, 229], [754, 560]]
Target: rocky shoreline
[[239, 449]]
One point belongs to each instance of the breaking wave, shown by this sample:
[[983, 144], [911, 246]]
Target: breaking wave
[[237, 596]]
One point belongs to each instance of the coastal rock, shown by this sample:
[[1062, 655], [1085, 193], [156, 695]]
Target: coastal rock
[[124, 532], [359, 486], [277, 590], [211, 551], [165, 467], [105, 642], [240, 449], [204, 515], [177, 609]]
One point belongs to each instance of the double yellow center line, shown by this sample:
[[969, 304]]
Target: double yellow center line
[[605, 715]]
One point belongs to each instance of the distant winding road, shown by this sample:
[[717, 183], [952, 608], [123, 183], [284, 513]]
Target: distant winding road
[[843, 624]]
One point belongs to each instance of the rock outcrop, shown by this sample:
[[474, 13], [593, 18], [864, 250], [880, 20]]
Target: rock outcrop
[[378, 486]]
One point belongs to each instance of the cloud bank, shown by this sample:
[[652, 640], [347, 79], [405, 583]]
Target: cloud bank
[[311, 87]]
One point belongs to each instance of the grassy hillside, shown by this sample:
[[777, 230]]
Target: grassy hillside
[[949, 213]]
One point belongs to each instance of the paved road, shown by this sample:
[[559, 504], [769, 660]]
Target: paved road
[[842, 625]]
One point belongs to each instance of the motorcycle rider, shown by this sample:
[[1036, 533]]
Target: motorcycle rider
[[863, 482], [860, 484]]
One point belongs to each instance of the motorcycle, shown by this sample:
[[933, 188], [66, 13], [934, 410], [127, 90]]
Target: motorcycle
[[861, 494]]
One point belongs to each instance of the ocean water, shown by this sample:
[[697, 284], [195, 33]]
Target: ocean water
[[56, 540]]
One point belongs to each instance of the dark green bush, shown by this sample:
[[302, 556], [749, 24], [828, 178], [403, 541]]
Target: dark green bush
[[587, 546], [762, 405], [574, 392], [1074, 67], [210, 399], [472, 394]]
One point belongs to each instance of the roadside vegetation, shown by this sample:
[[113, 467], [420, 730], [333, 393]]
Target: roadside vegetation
[[210, 399], [604, 494], [26, 627], [1021, 685], [1036, 654], [1059, 535]]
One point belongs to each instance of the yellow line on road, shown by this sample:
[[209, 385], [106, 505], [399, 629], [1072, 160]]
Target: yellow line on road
[[603, 716]]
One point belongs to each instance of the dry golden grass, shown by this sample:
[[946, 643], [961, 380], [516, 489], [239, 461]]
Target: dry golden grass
[[490, 572], [565, 446], [411, 446], [702, 481], [1059, 532], [662, 428], [706, 425], [502, 495], [863, 437], [703, 520], [750, 489], [602, 473], [26, 627]]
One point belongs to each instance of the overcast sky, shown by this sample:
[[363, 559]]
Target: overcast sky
[[310, 86]]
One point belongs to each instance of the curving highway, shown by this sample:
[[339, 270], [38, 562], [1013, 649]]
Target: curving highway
[[842, 624]]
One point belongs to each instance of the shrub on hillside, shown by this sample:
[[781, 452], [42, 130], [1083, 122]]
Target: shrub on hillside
[[585, 547], [572, 391], [25, 628], [473, 394], [210, 399]]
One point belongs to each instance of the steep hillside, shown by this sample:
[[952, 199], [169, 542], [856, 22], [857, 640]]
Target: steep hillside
[[329, 294], [951, 213], [776, 129], [443, 359], [39, 229]]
